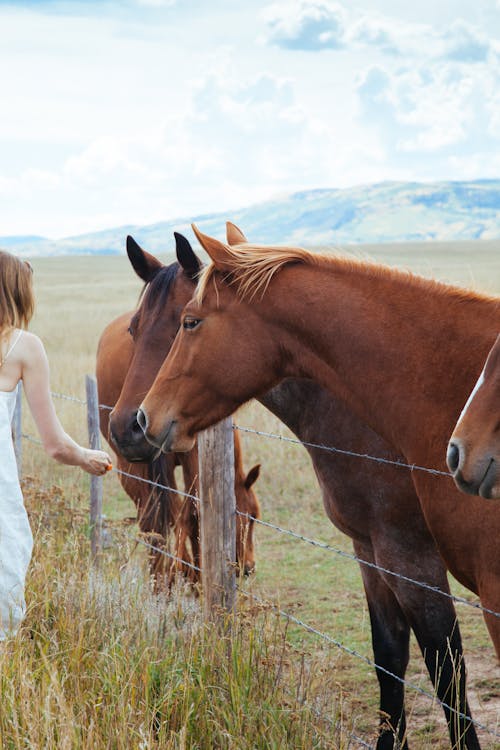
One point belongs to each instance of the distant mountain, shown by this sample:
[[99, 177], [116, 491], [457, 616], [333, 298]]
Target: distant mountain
[[383, 212]]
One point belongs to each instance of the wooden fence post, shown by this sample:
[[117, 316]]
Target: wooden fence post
[[17, 428], [217, 520], [96, 483]]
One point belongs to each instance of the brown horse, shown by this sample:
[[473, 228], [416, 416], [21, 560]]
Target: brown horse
[[474, 448], [379, 510], [377, 338], [134, 343]]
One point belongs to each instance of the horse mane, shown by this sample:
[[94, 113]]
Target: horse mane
[[252, 267], [155, 293], [161, 499]]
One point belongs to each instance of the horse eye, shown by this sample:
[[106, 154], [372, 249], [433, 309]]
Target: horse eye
[[190, 323]]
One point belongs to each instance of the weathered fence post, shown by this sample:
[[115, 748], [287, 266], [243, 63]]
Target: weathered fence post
[[96, 483], [17, 428], [217, 520]]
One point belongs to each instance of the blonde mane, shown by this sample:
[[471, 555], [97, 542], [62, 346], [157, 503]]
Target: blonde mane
[[252, 267]]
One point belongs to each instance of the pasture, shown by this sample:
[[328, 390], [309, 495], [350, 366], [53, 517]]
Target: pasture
[[76, 298]]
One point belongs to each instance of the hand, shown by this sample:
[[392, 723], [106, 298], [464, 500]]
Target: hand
[[96, 462]]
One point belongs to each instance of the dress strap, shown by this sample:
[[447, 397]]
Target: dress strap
[[16, 339]]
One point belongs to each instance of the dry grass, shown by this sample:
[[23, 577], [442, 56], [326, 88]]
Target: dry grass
[[101, 663], [115, 628]]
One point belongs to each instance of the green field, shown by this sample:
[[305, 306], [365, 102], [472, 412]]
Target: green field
[[76, 297]]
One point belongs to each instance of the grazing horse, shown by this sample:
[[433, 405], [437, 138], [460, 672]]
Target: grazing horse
[[474, 448], [377, 338], [379, 510], [134, 342]]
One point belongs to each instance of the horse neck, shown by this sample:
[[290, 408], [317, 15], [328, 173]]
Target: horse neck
[[402, 352]]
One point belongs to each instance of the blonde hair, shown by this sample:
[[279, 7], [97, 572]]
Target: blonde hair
[[17, 301], [252, 267]]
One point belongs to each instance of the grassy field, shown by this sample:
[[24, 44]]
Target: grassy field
[[76, 298]]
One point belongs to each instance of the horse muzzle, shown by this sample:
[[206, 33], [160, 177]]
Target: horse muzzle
[[482, 478], [129, 440], [167, 439]]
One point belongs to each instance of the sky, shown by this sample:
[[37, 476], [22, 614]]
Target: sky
[[137, 111]]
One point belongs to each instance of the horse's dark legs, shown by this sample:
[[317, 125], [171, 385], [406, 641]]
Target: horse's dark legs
[[439, 639], [390, 641], [432, 618]]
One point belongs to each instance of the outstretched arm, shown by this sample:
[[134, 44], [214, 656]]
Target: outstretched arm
[[56, 442]]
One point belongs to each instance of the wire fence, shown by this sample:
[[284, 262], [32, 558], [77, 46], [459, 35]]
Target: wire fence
[[318, 544], [301, 537]]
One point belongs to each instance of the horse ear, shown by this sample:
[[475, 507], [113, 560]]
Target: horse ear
[[252, 476], [186, 256], [220, 253], [145, 265], [234, 234]]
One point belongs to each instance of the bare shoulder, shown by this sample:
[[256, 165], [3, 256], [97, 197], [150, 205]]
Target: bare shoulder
[[31, 348]]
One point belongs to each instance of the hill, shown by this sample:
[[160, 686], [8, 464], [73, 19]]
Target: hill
[[383, 212]]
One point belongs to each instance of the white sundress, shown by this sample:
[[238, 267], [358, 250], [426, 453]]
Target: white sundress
[[16, 540]]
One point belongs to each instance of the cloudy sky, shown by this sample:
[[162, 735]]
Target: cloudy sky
[[135, 111]]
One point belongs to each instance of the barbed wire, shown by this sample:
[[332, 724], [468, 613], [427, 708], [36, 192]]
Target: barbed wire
[[77, 400], [338, 644], [315, 543], [368, 661], [156, 484], [295, 441], [380, 568], [65, 397], [343, 451], [171, 556], [310, 629]]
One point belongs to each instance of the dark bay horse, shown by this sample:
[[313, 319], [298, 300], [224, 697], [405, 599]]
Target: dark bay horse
[[474, 448], [376, 505], [134, 342], [378, 338]]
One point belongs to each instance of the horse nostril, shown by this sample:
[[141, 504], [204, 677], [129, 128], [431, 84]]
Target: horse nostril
[[453, 457], [142, 420], [135, 427]]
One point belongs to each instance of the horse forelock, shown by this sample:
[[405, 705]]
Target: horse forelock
[[155, 293], [252, 267]]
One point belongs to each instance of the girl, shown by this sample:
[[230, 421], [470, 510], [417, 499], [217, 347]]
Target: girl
[[23, 357]]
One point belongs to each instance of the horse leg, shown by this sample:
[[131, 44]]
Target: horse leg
[[191, 516], [433, 619], [489, 599], [184, 532], [390, 641]]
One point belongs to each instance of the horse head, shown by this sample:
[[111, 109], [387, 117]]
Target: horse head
[[473, 454], [223, 354], [152, 330]]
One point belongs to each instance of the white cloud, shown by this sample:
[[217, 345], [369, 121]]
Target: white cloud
[[432, 108], [305, 24], [318, 24], [464, 43], [238, 142]]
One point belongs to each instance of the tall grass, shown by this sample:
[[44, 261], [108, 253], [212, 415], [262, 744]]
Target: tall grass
[[102, 663]]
